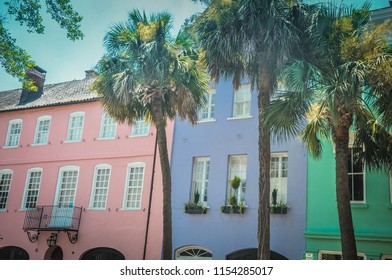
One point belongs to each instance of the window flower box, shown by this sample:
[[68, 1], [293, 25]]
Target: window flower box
[[233, 209], [278, 209], [192, 208]]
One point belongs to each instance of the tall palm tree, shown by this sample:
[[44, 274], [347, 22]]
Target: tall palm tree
[[339, 87], [148, 74], [253, 39]]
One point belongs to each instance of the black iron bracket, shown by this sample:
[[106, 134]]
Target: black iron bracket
[[32, 237], [72, 237]]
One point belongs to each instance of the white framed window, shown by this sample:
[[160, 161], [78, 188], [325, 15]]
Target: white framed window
[[100, 186], [201, 170], [356, 176], [5, 184], [193, 253], [42, 128], [66, 186], [237, 168], [386, 257], [278, 176], [33, 183], [140, 128], [13, 133], [242, 101], [134, 186], [108, 127], [75, 127], [335, 255], [207, 113]]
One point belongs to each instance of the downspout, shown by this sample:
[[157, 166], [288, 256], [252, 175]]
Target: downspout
[[150, 198]]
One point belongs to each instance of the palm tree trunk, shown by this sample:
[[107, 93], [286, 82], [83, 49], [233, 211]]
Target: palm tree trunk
[[160, 124], [341, 139], [263, 229]]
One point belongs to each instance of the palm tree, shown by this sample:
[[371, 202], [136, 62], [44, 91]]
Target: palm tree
[[148, 74], [253, 39], [339, 87]]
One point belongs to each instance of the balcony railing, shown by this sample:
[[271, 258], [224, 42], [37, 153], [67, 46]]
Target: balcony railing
[[53, 218]]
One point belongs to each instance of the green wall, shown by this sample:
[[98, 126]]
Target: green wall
[[372, 219]]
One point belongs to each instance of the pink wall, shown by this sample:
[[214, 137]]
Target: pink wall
[[123, 230]]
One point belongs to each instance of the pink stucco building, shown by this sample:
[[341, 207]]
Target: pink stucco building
[[72, 176]]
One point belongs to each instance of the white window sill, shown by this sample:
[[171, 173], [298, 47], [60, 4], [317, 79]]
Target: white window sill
[[130, 209], [96, 209], [38, 144], [73, 141], [239, 118], [106, 138], [206, 121], [10, 147], [137, 136]]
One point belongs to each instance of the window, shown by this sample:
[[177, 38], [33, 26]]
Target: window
[[134, 186], [108, 127], [279, 172], [13, 134], [140, 128], [75, 127], [5, 184], [335, 255], [100, 186], [66, 186], [33, 183], [42, 130], [237, 167], [208, 111], [386, 257], [193, 253], [201, 167], [355, 176], [242, 98]]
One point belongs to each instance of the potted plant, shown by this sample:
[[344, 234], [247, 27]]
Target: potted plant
[[195, 207], [277, 208], [234, 207]]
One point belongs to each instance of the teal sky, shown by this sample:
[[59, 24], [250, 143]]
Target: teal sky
[[65, 60]]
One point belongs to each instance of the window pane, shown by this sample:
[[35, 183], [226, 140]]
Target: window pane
[[242, 99], [140, 128], [100, 188], [14, 130], [133, 194], [237, 167], [108, 126], [32, 189], [5, 183], [201, 168]]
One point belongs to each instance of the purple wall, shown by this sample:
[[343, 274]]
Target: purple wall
[[224, 233]]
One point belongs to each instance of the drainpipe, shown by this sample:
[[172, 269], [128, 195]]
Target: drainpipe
[[150, 198]]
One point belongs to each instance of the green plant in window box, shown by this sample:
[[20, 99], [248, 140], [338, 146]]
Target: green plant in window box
[[277, 207], [236, 182], [195, 207], [233, 207]]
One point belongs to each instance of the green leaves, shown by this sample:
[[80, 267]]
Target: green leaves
[[14, 59], [144, 63]]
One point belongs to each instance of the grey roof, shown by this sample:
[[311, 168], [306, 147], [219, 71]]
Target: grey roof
[[75, 91]]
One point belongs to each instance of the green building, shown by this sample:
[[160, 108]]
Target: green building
[[371, 203]]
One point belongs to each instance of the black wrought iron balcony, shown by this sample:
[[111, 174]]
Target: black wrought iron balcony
[[53, 218]]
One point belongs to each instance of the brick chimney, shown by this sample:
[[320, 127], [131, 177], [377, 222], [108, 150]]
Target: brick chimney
[[90, 74], [37, 75]]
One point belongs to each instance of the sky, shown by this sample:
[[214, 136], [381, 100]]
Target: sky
[[65, 60]]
